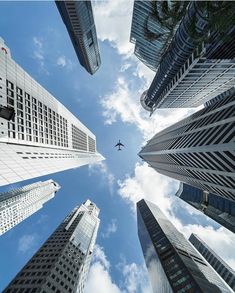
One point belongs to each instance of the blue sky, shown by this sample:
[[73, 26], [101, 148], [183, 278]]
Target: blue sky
[[108, 103]]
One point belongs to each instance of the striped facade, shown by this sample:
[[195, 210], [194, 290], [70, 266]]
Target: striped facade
[[198, 150], [223, 269], [218, 208], [194, 69]]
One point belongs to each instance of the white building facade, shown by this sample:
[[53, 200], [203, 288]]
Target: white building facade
[[43, 137], [18, 204]]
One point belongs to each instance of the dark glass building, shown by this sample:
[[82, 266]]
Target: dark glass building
[[62, 263], [198, 150], [199, 63], [173, 264], [214, 260], [79, 21], [218, 208], [152, 30]]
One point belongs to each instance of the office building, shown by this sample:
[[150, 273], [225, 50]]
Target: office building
[[199, 63], [79, 21], [174, 265], [62, 263], [42, 137], [198, 150], [20, 203], [223, 269], [153, 28], [218, 208]]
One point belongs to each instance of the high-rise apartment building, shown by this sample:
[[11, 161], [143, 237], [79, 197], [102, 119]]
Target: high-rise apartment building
[[173, 264], [221, 267], [153, 27], [199, 63], [62, 263], [218, 208], [20, 203], [79, 21], [42, 137], [198, 150]]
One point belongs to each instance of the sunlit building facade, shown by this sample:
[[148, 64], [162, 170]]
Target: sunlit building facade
[[18, 204], [198, 150], [218, 208], [79, 21], [62, 263], [220, 266], [173, 264], [42, 136], [195, 68]]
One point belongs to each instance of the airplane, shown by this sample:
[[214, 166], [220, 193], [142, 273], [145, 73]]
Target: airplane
[[119, 145]]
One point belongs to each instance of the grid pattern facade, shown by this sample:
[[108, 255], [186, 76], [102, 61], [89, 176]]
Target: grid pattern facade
[[190, 62], [79, 21], [218, 208], [144, 27], [18, 204], [179, 267], [223, 269], [62, 262], [199, 150], [41, 125]]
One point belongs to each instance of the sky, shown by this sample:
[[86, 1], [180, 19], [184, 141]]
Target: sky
[[108, 104]]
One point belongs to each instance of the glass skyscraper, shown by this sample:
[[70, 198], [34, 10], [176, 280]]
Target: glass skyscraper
[[42, 136], [173, 264], [218, 208], [62, 263], [214, 260], [79, 21], [198, 150], [18, 204], [152, 30], [199, 63]]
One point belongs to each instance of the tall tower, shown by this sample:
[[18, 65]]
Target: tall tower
[[173, 264], [214, 260], [62, 263], [199, 150], [42, 136], [218, 208], [199, 63], [79, 21], [18, 204], [153, 27]]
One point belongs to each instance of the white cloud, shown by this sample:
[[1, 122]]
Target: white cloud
[[111, 228], [124, 103], [148, 184], [26, 242], [113, 23], [134, 277], [39, 54], [63, 61], [102, 168]]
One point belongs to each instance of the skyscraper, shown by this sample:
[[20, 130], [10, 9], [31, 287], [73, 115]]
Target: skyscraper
[[218, 208], [79, 21], [198, 150], [199, 63], [18, 204], [214, 260], [62, 263], [153, 27], [173, 264], [42, 136]]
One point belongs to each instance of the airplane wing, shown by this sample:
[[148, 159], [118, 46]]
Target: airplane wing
[[116, 145], [121, 144]]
